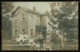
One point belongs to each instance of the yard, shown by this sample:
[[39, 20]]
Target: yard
[[68, 46]]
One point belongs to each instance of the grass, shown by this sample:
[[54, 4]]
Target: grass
[[68, 46]]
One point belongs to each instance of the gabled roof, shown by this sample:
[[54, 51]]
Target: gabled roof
[[14, 10], [27, 10]]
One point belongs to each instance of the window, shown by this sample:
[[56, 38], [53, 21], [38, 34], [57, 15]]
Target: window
[[23, 30], [37, 21], [23, 17], [31, 31], [49, 31], [15, 19], [31, 16], [16, 32]]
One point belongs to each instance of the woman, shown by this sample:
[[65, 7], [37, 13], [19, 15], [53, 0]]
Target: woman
[[48, 42]]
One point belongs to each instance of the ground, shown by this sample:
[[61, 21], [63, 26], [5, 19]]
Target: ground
[[68, 46]]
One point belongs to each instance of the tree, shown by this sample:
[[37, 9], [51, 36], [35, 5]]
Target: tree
[[66, 25], [6, 23]]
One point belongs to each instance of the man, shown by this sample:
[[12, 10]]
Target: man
[[41, 40]]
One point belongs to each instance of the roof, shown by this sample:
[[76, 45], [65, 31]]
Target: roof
[[27, 10]]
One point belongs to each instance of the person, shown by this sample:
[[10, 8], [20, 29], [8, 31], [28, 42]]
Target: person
[[48, 42], [19, 38], [41, 40]]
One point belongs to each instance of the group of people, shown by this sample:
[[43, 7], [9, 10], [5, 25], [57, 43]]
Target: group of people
[[40, 39], [23, 38]]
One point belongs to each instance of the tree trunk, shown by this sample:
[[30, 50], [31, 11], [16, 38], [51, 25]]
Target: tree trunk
[[62, 40]]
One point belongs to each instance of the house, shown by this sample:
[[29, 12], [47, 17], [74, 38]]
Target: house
[[29, 21]]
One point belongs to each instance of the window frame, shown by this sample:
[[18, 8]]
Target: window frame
[[22, 30], [23, 16], [15, 18], [32, 32], [15, 32]]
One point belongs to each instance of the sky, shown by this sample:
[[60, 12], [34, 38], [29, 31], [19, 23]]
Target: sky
[[41, 7]]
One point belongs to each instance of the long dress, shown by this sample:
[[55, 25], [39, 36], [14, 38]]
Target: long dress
[[48, 44]]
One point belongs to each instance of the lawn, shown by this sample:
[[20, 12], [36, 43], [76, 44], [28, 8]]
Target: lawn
[[68, 46]]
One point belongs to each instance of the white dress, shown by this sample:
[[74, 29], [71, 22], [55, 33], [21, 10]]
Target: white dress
[[48, 45]]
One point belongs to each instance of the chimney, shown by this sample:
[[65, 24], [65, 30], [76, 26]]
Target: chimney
[[34, 9]]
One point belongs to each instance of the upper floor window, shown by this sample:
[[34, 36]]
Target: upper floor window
[[37, 20], [23, 17], [31, 31], [31, 16], [15, 19]]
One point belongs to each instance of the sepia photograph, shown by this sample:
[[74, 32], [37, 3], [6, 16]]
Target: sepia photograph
[[39, 25]]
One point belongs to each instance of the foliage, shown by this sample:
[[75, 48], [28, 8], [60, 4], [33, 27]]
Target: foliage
[[65, 24], [6, 23]]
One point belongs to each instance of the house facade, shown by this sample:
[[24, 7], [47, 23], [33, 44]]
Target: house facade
[[29, 21]]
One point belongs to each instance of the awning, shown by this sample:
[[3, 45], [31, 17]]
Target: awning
[[41, 29]]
